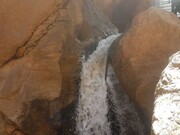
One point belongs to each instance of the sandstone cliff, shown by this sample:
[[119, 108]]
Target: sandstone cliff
[[40, 47]]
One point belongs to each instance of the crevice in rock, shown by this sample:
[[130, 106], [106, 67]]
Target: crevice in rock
[[59, 15]]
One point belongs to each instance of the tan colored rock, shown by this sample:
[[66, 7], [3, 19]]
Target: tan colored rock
[[8, 127], [18, 22], [166, 116], [40, 46], [143, 52]]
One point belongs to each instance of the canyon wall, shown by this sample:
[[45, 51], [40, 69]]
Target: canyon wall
[[41, 45], [40, 48]]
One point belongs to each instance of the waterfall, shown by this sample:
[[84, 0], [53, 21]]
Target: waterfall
[[92, 110]]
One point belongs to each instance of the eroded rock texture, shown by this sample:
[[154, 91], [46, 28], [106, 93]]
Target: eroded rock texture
[[143, 52], [8, 127], [166, 117], [40, 46]]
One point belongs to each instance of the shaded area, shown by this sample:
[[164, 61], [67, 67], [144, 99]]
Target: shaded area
[[68, 122], [123, 114], [40, 118], [123, 13]]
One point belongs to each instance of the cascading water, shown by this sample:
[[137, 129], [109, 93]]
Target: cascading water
[[92, 110], [93, 107]]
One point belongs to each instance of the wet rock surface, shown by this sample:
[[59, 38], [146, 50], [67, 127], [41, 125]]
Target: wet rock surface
[[123, 114]]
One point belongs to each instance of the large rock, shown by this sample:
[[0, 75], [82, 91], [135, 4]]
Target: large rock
[[40, 46], [143, 52], [166, 117]]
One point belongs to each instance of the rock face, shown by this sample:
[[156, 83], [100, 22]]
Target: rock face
[[8, 127], [166, 119], [40, 46], [143, 52]]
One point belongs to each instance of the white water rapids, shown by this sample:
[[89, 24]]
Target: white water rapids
[[92, 109]]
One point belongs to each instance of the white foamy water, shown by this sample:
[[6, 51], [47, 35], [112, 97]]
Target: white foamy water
[[92, 108]]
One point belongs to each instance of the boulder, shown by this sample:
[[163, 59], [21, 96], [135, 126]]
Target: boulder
[[40, 48], [142, 53], [166, 119]]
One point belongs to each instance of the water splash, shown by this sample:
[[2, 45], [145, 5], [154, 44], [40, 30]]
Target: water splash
[[93, 107], [100, 94]]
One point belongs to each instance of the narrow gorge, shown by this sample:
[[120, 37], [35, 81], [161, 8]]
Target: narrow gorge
[[89, 67]]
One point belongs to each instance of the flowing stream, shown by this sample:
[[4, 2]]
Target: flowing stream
[[99, 101]]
